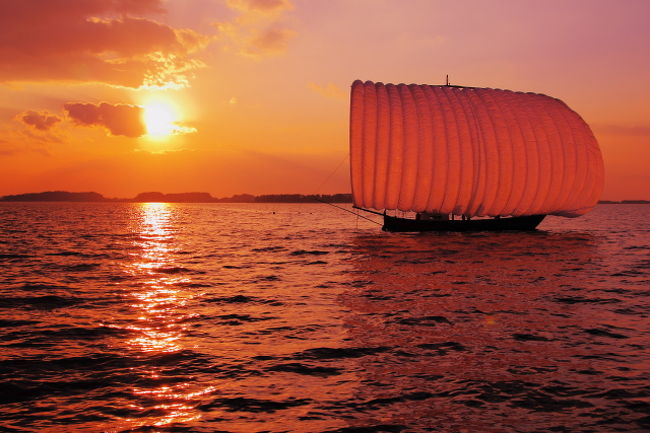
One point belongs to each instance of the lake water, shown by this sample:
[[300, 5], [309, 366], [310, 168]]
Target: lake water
[[303, 318]]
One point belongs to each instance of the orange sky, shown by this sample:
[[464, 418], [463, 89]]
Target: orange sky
[[255, 92]]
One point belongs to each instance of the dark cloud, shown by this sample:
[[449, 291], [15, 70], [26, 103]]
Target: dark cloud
[[636, 131], [40, 121], [119, 119], [93, 41]]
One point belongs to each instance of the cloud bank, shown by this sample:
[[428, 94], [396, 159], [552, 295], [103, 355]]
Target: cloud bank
[[106, 41], [40, 121], [269, 41], [329, 90], [120, 119], [258, 30], [623, 130], [265, 6]]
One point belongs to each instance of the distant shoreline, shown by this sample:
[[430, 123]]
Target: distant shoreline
[[203, 197], [187, 197], [624, 202]]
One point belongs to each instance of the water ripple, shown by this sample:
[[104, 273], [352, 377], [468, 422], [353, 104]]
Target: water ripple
[[295, 318]]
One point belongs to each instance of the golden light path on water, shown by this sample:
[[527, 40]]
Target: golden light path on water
[[161, 321]]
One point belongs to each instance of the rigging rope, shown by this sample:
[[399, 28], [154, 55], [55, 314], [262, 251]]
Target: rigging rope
[[339, 207], [348, 210], [346, 158]]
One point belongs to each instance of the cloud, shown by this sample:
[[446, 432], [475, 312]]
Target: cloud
[[179, 128], [269, 41], [120, 119], [17, 141], [106, 41], [40, 121], [636, 131], [330, 90], [40, 139], [12, 150], [7, 148], [264, 6], [258, 30]]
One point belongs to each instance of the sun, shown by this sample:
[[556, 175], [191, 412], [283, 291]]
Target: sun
[[160, 119]]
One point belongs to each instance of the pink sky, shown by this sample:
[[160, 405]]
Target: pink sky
[[259, 88]]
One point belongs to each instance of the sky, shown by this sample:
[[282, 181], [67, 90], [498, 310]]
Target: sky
[[252, 96]]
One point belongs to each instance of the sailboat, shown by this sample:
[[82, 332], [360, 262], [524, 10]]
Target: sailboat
[[456, 158]]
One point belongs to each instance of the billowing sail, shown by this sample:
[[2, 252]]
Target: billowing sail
[[470, 151]]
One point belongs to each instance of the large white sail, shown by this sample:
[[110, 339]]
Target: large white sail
[[470, 151]]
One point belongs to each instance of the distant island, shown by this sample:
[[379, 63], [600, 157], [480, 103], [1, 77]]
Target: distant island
[[185, 197], [624, 202], [204, 197]]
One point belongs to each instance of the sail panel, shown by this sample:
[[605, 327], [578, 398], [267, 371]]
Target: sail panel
[[444, 132], [504, 134], [559, 178], [490, 162], [567, 148], [395, 154], [410, 146], [369, 143], [356, 138], [459, 150], [530, 178], [439, 137], [470, 151], [425, 148], [383, 145], [519, 159]]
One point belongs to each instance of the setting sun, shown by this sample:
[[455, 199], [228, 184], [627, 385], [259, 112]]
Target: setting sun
[[160, 119]]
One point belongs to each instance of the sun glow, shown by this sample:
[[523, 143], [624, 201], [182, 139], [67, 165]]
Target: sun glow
[[160, 119]]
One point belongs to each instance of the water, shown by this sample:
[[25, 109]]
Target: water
[[301, 318]]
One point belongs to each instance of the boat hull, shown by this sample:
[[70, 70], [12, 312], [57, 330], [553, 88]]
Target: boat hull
[[395, 224]]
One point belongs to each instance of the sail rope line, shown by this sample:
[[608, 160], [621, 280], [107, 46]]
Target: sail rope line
[[349, 211], [346, 158]]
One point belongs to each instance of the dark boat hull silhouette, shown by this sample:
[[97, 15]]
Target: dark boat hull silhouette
[[396, 224]]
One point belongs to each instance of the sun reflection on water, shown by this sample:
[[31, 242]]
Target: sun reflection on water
[[160, 322], [158, 301]]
